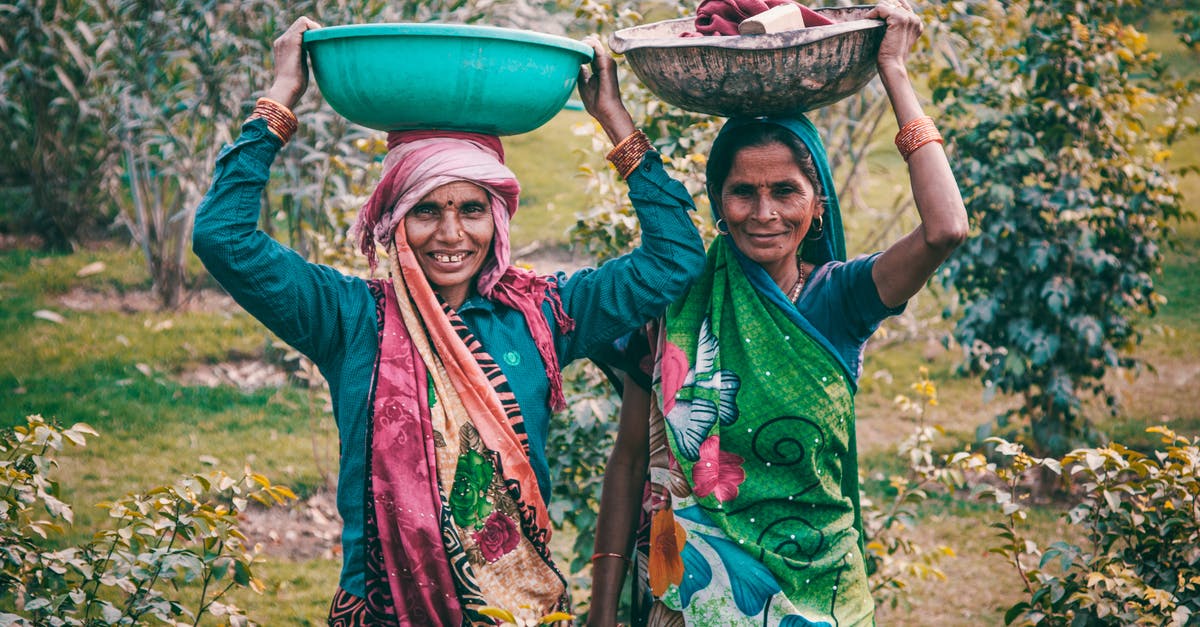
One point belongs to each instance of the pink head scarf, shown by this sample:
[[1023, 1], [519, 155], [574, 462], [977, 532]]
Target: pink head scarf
[[419, 162]]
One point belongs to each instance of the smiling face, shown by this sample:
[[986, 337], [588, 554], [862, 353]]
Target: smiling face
[[768, 204], [450, 232]]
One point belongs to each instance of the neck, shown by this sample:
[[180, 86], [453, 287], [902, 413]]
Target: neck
[[785, 275], [454, 296]]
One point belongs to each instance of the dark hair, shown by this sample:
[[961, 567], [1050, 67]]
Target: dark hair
[[720, 158]]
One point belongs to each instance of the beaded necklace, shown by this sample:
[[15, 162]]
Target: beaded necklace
[[794, 293]]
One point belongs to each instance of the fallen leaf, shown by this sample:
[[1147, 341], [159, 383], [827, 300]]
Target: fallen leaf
[[90, 269], [49, 316]]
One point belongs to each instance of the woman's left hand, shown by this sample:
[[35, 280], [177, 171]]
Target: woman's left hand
[[601, 93], [903, 29]]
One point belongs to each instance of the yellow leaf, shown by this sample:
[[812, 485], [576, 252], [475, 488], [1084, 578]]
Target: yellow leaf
[[498, 614], [556, 617]]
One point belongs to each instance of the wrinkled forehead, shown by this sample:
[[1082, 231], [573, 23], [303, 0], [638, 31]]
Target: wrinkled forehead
[[457, 193]]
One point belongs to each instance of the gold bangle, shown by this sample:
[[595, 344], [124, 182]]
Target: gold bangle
[[280, 120], [616, 555], [629, 152], [917, 133]]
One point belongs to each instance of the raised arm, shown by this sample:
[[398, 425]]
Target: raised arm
[[303, 303], [624, 293], [291, 64], [601, 93], [902, 270]]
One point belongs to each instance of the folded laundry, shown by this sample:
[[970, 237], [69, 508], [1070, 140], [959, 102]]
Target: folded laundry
[[722, 17]]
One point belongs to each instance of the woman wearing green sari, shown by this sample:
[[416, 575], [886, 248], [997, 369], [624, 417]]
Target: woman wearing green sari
[[745, 470]]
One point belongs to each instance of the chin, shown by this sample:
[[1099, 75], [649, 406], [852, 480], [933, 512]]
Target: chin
[[766, 256]]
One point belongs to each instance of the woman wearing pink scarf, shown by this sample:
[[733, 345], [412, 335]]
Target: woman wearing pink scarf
[[444, 375]]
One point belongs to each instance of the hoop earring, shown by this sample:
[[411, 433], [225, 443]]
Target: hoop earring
[[816, 230], [722, 226]]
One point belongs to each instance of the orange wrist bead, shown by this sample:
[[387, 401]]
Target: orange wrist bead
[[917, 133]]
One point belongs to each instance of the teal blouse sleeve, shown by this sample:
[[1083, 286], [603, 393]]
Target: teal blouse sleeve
[[307, 305]]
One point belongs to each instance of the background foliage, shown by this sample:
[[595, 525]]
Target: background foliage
[[1060, 127], [86, 366], [1138, 562], [170, 537]]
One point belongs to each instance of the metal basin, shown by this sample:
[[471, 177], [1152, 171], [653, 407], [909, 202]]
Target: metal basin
[[778, 74]]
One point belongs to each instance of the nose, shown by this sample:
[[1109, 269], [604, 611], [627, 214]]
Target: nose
[[450, 227], [764, 209]]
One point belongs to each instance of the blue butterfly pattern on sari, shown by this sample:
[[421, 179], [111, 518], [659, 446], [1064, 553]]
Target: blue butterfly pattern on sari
[[796, 620], [693, 418], [753, 585], [697, 574]]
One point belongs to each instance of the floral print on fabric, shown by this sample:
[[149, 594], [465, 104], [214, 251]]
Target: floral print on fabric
[[498, 537], [719, 472], [468, 500], [752, 456], [708, 395], [666, 540]]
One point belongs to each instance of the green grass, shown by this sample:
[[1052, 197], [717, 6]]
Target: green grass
[[547, 161]]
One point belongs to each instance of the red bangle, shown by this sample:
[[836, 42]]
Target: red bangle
[[917, 133], [616, 555], [280, 120], [629, 152]]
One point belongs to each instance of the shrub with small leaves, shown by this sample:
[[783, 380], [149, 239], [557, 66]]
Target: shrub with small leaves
[[1060, 127], [172, 554], [892, 556], [1138, 562]]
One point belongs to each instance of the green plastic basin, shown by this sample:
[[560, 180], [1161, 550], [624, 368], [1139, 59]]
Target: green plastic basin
[[444, 76]]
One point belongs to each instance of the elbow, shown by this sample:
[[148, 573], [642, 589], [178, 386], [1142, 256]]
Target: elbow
[[203, 244], [692, 261], [207, 244], [947, 237]]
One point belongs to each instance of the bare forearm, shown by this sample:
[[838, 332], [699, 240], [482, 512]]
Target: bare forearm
[[935, 191], [620, 504], [905, 267]]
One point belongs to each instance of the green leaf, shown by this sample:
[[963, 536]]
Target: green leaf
[[1015, 612]]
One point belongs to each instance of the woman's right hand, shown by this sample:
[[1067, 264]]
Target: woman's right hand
[[601, 93], [291, 64]]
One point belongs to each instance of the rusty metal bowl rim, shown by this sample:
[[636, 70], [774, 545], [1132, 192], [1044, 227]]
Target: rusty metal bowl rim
[[625, 40]]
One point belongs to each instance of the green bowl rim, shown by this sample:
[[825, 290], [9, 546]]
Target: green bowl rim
[[448, 30]]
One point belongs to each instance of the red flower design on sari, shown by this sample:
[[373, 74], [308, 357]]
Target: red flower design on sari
[[674, 366], [498, 537], [717, 472]]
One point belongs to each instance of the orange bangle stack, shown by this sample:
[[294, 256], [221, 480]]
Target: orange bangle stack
[[629, 153], [280, 120], [915, 134]]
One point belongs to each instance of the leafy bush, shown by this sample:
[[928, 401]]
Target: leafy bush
[[1138, 562], [1059, 126], [168, 543], [53, 138]]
